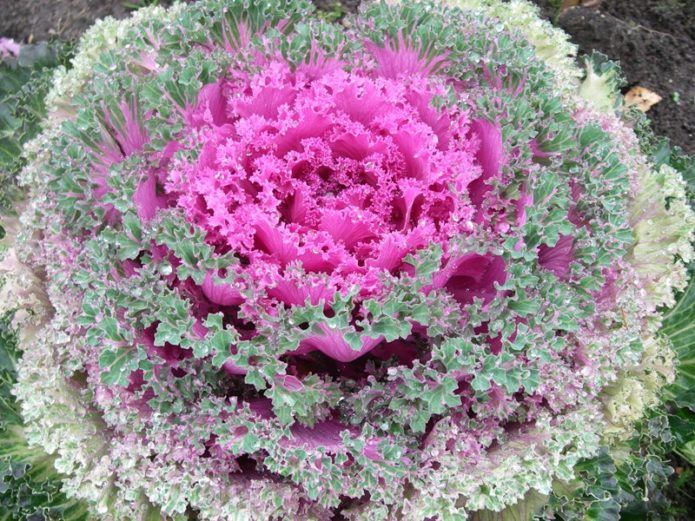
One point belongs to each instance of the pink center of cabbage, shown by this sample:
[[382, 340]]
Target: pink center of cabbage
[[341, 173]]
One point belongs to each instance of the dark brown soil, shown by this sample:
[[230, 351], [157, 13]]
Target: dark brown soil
[[654, 41], [37, 20]]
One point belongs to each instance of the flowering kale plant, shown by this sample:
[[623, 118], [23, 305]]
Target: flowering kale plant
[[275, 268]]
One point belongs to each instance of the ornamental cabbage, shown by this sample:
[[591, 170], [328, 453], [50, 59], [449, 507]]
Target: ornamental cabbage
[[272, 267]]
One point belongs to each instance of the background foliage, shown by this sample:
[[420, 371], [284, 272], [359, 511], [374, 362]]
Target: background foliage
[[30, 488], [24, 83]]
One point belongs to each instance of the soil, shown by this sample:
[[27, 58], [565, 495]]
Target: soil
[[37, 20], [654, 41]]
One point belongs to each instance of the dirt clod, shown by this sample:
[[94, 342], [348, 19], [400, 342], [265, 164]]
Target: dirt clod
[[654, 41]]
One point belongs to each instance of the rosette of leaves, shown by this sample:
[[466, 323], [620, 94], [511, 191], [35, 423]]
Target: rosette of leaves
[[276, 268]]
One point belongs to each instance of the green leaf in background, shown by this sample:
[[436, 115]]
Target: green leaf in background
[[30, 487], [679, 327], [24, 83]]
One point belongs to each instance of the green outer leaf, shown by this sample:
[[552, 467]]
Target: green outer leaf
[[119, 364], [679, 327]]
